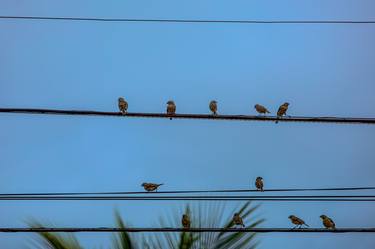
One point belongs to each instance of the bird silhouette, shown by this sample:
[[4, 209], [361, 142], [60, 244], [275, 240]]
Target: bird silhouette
[[122, 105], [259, 183], [261, 109], [213, 107], [171, 108], [298, 222], [282, 110], [328, 222], [149, 187], [237, 220]]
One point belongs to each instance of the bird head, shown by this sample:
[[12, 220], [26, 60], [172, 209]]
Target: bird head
[[286, 104], [170, 102], [214, 101], [236, 214], [323, 216], [121, 99], [291, 216], [255, 106], [144, 184], [185, 216], [259, 178]]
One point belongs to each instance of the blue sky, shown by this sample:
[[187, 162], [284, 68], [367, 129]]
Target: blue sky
[[321, 70]]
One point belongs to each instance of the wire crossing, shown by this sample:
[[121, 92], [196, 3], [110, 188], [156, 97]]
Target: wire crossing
[[137, 20], [191, 116], [195, 230]]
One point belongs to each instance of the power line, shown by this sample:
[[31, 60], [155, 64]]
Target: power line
[[195, 230], [192, 191], [189, 20], [182, 198], [192, 116]]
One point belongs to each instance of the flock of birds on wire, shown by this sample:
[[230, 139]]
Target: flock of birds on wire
[[237, 219], [171, 108]]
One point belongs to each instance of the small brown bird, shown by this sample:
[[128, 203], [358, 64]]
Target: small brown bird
[[171, 108], [328, 222], [259, 183], [122, 105], [282, 110], [297, 221], [213, 107], [237, 220], [149, 187], [185, 221], [261, 109]]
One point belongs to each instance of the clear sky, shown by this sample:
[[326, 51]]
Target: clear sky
[[321, 70]]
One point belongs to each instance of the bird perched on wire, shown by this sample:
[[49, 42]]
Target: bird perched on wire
[[149, 187], [237, 220], [122, 105], [261, 109], [328, 222], [171, 108], [282, 110], [213, 107], [185, 221], [298, 222], [259, 183]]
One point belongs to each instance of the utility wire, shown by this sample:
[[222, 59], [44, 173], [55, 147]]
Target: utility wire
[[191, 191], [189, 20], [205, 196], [192, 116], [195, 230], [178, 198]]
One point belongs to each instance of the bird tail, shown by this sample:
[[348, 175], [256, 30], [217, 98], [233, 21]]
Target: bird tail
[[160, 184], [306, 225], [267, 111]]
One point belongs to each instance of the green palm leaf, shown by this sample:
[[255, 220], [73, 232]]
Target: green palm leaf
[[121, 240], [55, 240]]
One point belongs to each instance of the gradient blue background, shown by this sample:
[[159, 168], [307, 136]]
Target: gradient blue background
[[322, 70]]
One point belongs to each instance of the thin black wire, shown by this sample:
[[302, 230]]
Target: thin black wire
[[189, 20], [192, 116], [195, 230], [157, 198], [192, 191]]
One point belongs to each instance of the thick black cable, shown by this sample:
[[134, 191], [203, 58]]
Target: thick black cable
[[204, 196], [192, 116], [195, 230], [189, 20]]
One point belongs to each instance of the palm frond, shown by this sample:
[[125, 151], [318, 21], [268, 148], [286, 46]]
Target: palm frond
[[55, 240], [121, 240], [207, 215]]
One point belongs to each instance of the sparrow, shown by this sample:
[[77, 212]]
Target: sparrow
[[122, 105], [185, 221], [297, 221], [261, 109], [213, 107], [171, 108], [282, 110], [328, 222], [237, 220], [149, 187], [259, 183]]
